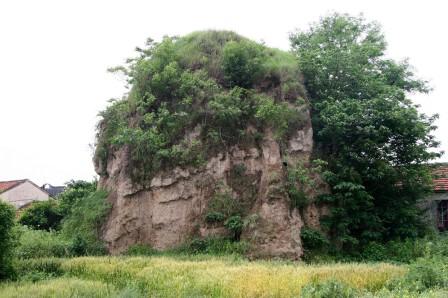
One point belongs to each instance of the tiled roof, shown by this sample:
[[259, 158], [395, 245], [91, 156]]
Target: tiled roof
[[5, 185], [54, 191], [441, 178]]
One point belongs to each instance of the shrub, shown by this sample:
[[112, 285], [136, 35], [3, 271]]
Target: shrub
[[297, 197], [43, 215], [426, 273], [407, 250], [83, 223], [242, 63], [79, 246], [375, 252], [39, 244], [328, 289], [224, 203], [235, 225], [214, 217], [238, 170], [140, 250], [230, 111], [301, 178], [7, 214], [74, 192], [38, 268], [313, 239], [280, 116], [216, 246]]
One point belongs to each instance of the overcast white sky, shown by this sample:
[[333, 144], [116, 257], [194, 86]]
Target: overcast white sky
[[54, 56]]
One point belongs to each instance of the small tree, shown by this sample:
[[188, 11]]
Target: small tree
[[235, 225], [7, 214], [74, 192], [82, 225], [242, 63], [43, 215]]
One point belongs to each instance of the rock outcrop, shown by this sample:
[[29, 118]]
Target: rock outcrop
[[212, 119], [173, 208]]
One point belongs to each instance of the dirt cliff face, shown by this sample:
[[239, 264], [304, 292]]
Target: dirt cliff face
[[172, 210], [214, 139]]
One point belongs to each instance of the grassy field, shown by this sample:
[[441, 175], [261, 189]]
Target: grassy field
[[163, 276]]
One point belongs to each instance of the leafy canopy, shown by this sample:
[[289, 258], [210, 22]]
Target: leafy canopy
[[374, 138], [82, 226], [44, 215], [7, 215], [212, 83], [74, 192]]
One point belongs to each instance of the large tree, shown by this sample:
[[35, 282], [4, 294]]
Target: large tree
[[7, 215], [376, 141]]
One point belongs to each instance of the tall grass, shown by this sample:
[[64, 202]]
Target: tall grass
[[163, 276], [192, 276], [61, 287], [40, 244]]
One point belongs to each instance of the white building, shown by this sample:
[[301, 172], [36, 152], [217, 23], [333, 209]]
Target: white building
[[20, 193]]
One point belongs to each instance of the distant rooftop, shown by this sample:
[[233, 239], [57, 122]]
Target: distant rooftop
[[5, 185], [440, 177], [54, 191]]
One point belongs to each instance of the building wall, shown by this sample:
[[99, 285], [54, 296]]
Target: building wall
[[23, 194], [430, 206]]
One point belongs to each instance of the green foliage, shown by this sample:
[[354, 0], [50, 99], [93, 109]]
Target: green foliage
[[214, 217], [235, 225], [206, 82], [238, 170], [302, 179], [374, 252], [84, 211], [82, 225], [405, 251], [224, 203], [223, 207], [198, 276], [427, 273], [140, 250], [44, 215], [38, 269], [217, 246], [297, 197], [328, 289], [114, 118], [40, 244], [229, 113], [283, 117], [7, 215], [376, 142], [242, 63], [73, 193], [313, 239]]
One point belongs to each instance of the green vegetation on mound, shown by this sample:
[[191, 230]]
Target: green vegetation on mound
[[195, 95], [215, 84]]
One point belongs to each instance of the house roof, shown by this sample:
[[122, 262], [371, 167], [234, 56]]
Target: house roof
[[54, 191], [440, 180], [6, 185]]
